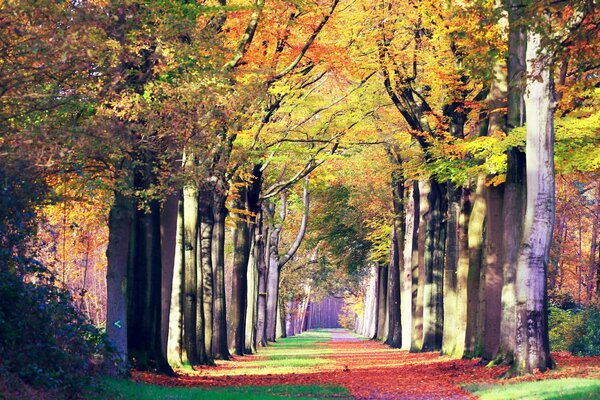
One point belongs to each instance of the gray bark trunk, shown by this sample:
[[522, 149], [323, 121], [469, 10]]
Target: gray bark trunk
[[117, 255], [219, 341], [175, 354], [532, 347]]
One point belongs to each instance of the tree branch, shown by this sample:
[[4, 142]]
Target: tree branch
[[283, 260], [246, 37], [307, 45]]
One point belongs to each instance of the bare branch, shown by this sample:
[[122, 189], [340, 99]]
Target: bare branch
[[296, 245], [307, 45]]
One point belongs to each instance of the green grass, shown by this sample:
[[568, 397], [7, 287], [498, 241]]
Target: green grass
[[121, 389], [552, 389], [304, 350]]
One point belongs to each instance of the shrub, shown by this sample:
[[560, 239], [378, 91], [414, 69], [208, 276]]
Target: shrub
[[44, 342], [561, 326], [586, 334]]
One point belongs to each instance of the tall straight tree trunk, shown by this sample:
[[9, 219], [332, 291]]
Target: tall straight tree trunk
[[272, 287], [369, 324], [493, 275], [117, 255], [434, 267], [475, 240], [394, 332], [420, 193], [261, 265], [239, 289], [381, 301], [175, 354], [190, 280], [144, 320], [168, 239], [394, 335], [201, 349], [450, 274], [593, 244], [252, 295], [532, 345], [406, 272], [462, 273], [493, 280], [206, 237], [514, 187], [220, 344]]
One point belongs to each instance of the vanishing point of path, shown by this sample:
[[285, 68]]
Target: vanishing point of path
[[367, 369]]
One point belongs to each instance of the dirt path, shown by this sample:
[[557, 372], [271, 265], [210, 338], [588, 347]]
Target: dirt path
[[368, 369]]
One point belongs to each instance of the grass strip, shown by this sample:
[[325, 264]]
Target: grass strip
[[121, 389], [551, 389]]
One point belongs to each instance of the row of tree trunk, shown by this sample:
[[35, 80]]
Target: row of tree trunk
[[166, 276], [468, 265]]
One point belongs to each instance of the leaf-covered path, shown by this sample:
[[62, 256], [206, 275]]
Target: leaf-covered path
[[367, 369]]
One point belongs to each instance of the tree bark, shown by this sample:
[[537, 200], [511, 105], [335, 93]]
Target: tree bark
[[381, 301], [420, 191], [493, 274], [169, 237], [239, 289], [144, 320], [593, 261], [532, 345], [117, 255], [190, 281], [206, 236], [394, 338], [175, 353], [450, 336], [474, 298], [434, 267], [514, 187], [220, 348], [406, 272]]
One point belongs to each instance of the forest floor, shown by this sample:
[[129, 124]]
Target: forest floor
[[367, 369]]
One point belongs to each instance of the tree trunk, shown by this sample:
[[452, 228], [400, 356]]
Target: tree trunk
[[190, 281], [493, 274], [239, 289], [219, 341], [261, 264], [175, 353], [252, 295], [593, 244], [420, 192], [201, 349], [117, 255], [532, 347], [144, 320], [381, 301], [514, 187], [277, 262], [394, 338], [450, 336], [462, 273], [434, 267], [206, 236], [406, 273], [394, 332], [169, 236], [475, 239], [272, 287]]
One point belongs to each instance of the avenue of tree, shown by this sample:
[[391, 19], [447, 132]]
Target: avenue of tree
[[246, 155]]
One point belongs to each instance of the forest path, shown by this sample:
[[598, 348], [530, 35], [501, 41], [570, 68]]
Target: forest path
[[368, 369]]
